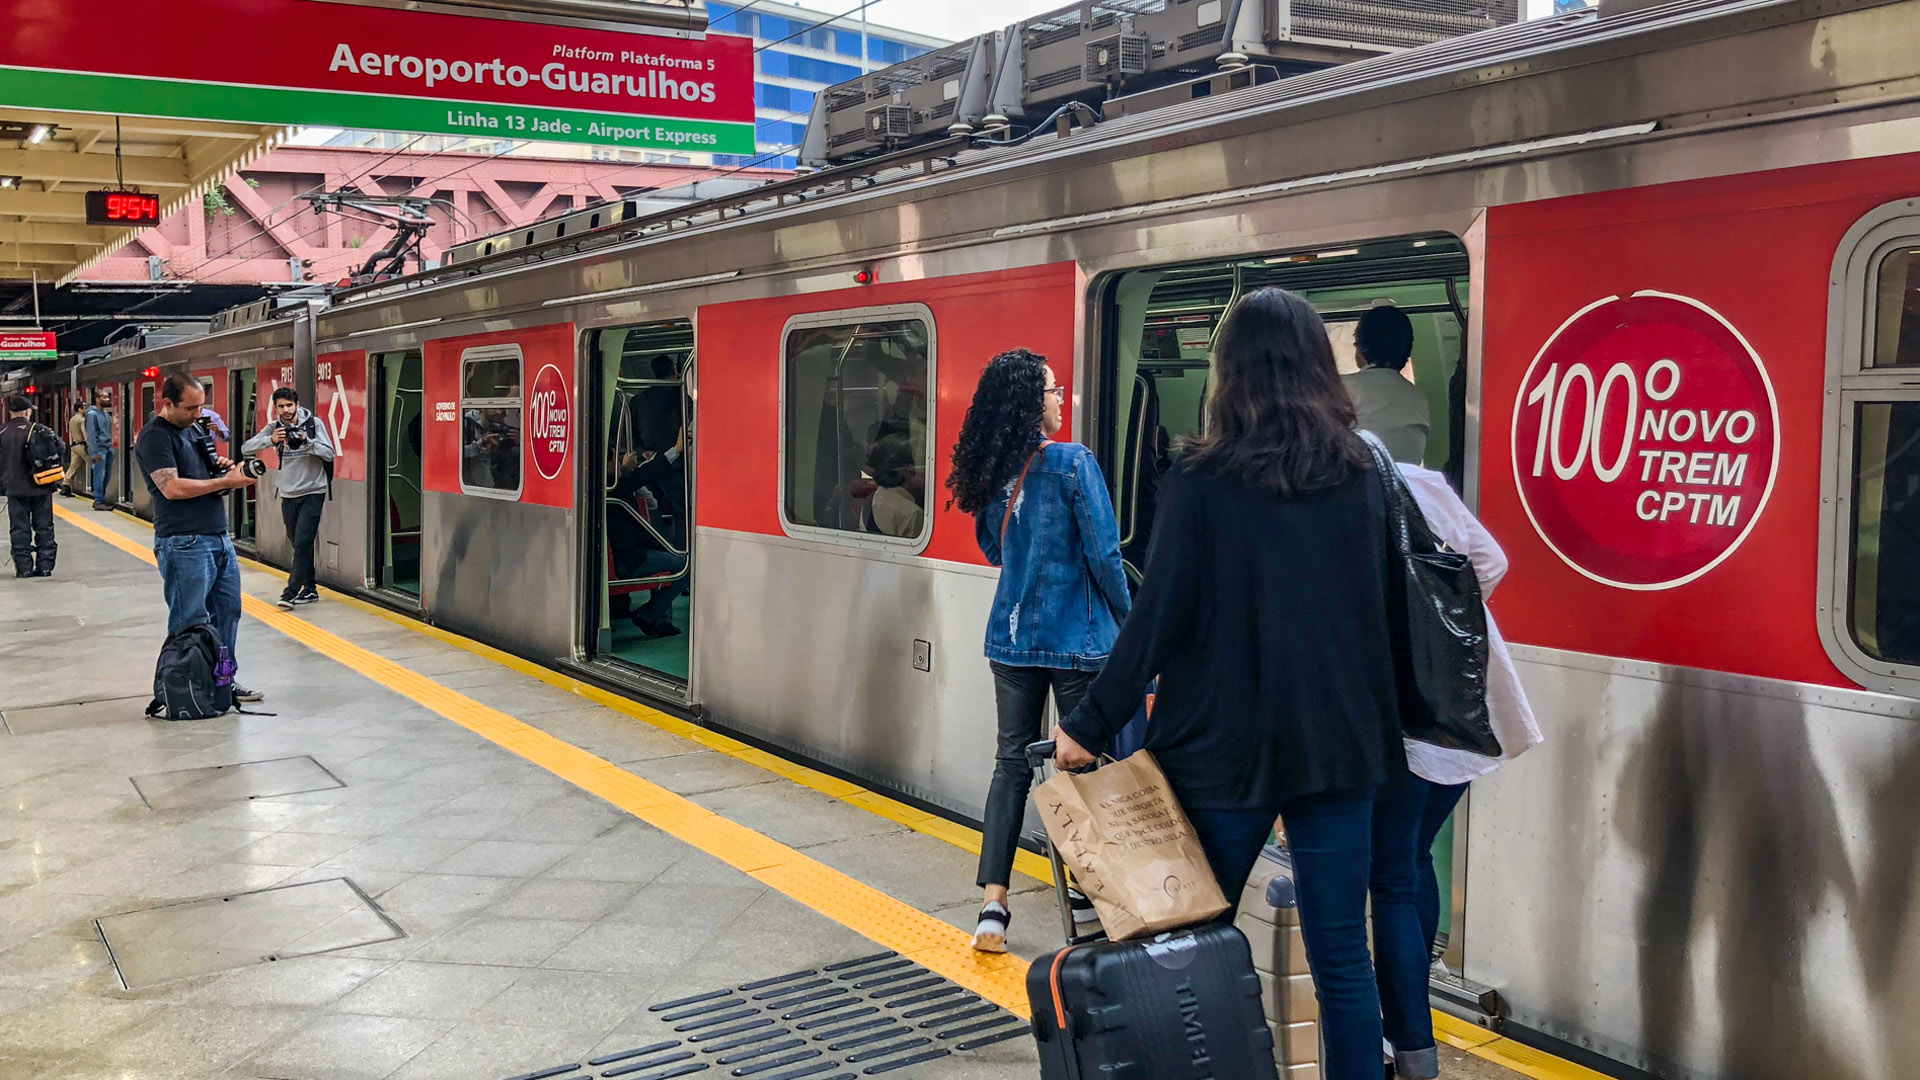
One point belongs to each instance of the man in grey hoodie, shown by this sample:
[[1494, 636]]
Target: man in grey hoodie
[[306, 476]]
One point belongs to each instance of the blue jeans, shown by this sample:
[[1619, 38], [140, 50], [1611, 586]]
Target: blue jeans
[[1330, 837], [1406, 909], [201, 577], [102, 465]]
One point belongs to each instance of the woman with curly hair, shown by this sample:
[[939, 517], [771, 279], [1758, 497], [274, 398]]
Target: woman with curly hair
[[1042, 514]]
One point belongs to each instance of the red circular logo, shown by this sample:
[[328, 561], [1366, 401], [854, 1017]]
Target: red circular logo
[[552, 422], [1645, 440]]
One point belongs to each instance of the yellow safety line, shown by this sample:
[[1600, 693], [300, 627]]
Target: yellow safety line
[[890, 923], [1506, 1053], [920, 821], [907, 930]]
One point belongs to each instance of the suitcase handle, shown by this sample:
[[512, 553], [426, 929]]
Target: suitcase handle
[[1039, 753]]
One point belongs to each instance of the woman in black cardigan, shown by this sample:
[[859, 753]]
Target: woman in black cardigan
[[1264, 614]]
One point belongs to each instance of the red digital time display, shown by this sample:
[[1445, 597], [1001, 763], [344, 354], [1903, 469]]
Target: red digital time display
[[122, 208]]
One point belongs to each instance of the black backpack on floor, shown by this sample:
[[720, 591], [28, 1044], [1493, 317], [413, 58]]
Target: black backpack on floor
[[187, 683]]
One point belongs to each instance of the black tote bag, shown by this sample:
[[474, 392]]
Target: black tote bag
[[1439, 626]]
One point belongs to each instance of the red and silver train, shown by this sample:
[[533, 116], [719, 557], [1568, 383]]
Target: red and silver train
[[1664, 267]]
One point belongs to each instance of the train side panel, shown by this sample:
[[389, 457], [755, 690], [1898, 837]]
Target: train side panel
[[829, 627], [497, 512], [1706, 870]]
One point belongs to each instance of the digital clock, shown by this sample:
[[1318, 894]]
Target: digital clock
[[122, 208]]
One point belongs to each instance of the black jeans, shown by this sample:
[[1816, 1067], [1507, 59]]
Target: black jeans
[[1020, 697], [302, 515], [30, 523]]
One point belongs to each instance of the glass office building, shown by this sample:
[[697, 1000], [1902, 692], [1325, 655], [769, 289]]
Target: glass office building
[[797, 59]]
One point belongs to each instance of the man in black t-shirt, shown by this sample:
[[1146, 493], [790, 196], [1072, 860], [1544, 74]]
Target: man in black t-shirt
[[188, 480]]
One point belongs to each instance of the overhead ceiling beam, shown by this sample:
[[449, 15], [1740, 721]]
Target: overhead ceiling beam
[[42, 253], [131, 126], [44, 205], [46, 232], [92, 168]]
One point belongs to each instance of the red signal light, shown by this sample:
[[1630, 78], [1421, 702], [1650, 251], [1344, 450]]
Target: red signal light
[[865, 276], [33, 389], [151, 373]]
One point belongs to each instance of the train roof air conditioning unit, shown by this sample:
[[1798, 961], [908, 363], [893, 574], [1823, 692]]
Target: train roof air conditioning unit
[[1117, 56], [890, 123], [925, 98]]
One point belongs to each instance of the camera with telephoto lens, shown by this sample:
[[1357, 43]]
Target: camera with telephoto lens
[[203, 441]]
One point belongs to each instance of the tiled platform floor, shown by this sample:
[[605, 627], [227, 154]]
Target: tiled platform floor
[[539, 921]]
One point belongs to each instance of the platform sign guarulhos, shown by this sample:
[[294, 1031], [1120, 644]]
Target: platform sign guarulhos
[[311, 62]]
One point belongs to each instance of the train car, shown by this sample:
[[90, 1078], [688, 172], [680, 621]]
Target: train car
[[1664, 269]]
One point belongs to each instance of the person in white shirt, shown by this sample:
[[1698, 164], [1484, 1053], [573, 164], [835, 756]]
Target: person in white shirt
[[1411, 808], [1389, 405]]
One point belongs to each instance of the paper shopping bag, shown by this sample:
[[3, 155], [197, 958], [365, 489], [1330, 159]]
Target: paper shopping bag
[[1130, 847]]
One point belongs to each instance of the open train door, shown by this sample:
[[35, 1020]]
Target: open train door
[[638, 572]]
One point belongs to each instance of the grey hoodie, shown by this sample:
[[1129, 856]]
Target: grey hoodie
[[302, 472]]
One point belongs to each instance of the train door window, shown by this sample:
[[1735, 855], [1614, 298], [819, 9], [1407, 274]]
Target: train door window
[[398, 494], [855, 446], [490, 412], [644, 525], [1161, 324], [1872, 628]]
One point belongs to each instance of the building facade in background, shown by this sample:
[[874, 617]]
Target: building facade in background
[[795, 58]]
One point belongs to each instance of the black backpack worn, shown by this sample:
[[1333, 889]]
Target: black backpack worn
[[187, 681], [46, 455]]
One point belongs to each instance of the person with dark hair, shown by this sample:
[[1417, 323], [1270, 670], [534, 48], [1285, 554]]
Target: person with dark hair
[[898, 487], [1042, 514], [305, 450], [1264, 615], [100, 445], [188, 480], [29, 503], [1387, 404]]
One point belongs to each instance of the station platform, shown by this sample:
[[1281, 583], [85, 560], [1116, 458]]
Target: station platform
[[429, 860]]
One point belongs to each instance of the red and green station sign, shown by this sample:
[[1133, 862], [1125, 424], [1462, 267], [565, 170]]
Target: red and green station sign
[[323, 63], [27, 345]]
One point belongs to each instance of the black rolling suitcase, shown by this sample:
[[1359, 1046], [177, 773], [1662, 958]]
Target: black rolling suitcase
[[1183, 1005]]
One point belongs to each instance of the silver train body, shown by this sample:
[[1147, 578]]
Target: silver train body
[[1723, 949]]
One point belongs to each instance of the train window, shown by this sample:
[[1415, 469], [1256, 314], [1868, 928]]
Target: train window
[[490, 414], [1896, 323], [1885, 558], [1870, 537], [855, 445]]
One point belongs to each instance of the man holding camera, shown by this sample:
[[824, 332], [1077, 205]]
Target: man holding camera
[[306, 474], [189, 480]]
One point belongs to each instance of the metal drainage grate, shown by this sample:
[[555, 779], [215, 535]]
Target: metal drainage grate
[[878, 1015]]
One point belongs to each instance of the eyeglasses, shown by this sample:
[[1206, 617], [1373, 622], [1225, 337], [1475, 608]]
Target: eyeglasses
[[1058, 391]]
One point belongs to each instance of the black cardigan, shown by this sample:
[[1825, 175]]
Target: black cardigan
[[1266, 621]]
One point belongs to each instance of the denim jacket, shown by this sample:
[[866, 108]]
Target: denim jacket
[[1062, 593]]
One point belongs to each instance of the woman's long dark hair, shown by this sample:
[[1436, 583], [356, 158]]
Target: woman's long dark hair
[[1277, 416], [1002, 427]]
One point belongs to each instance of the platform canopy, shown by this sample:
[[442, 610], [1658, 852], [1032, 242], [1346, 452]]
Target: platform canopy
[[49, 160]]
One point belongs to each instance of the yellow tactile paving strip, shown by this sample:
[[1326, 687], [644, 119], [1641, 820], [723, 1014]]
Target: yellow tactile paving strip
[[890, 923], [1506, 1053]]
